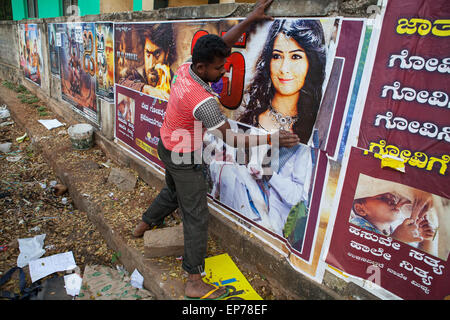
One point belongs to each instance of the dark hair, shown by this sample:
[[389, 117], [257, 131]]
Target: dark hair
[[208, 47], [309, 35], [161, 34], [358, 201]]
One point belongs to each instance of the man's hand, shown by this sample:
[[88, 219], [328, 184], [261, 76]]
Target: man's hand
[[258, 12], [285, 138]]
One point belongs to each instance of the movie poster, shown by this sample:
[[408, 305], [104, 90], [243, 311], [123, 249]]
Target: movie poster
[[77, 68], [393, 234], [54, 42], [278, 194], [392, 223], [104, 48], [138, 120], [30, 53]]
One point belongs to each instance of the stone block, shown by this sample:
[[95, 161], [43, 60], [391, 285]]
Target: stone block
[[124, 180], [164, 242]]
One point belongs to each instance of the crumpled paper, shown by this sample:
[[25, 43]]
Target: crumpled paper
[[72, 283]]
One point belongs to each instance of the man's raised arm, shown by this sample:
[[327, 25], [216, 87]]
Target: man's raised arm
[[258, 14]]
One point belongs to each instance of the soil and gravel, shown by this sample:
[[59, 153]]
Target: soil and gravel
[[29, 205]]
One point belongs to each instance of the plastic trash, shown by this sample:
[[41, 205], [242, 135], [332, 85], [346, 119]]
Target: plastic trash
[[4, 112], [22, 138], [13, 158], [6, 123], [30, 249], [72, 283], [137, 280], [5, 147]]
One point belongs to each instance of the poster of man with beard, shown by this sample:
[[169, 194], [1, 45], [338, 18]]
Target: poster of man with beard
[[77, 60]]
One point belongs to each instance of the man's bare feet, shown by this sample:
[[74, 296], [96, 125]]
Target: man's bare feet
[[140, 229], [196, 288]]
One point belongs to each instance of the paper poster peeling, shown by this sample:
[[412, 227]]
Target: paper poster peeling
[[221, 271]]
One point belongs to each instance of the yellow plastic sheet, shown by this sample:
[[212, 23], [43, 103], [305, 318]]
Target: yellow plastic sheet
[[221, 270]]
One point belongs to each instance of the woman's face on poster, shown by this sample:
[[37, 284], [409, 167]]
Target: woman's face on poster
[[288, 66]]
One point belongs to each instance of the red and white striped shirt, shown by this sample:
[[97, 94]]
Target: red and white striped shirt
[[192, 108]]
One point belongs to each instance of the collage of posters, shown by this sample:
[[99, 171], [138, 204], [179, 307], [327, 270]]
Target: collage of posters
[[393, 214], [364, 193]]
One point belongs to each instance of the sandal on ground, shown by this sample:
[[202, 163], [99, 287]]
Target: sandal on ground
[[207, 295]]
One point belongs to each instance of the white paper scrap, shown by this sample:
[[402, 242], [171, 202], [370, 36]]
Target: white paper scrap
[[72, 283], [41, 268], [51, 124], [137, 279]]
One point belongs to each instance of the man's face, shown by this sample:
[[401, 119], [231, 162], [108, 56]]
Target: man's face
[[213, 72], [153, 55]]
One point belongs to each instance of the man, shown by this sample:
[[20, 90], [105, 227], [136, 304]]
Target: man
[[192, 106], [154, 76]]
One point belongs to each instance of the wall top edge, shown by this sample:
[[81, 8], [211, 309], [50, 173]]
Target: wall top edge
[[318, 8]]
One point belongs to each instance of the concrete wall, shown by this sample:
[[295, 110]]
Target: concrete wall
[[50, 87], [9, 51]]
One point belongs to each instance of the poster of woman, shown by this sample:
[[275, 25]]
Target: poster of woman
[[276, 76], [285, 77]]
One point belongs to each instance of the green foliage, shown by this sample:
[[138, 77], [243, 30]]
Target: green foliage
[[116, 256], [9, 85], [21, 88], [295, 225]]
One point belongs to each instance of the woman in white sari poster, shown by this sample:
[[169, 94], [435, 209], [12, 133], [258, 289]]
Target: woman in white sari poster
[[294, 58]]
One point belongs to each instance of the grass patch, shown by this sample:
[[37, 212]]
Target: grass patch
[[17, 88], [26, 96], [9, 85], [21, 88], [29, 99]]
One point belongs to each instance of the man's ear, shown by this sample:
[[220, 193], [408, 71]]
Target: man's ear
[[359, 209], [200, 67]]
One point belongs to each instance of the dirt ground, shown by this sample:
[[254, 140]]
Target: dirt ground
[[29, 205]]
